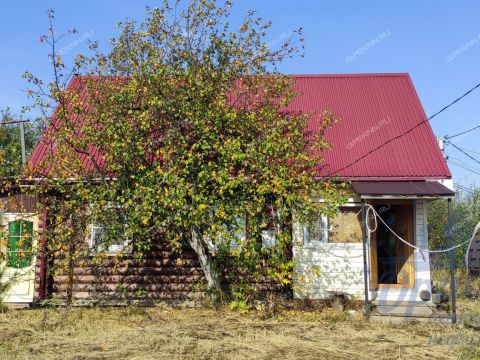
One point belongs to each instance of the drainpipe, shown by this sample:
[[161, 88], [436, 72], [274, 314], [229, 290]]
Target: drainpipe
[[365, 273], [452, 262]]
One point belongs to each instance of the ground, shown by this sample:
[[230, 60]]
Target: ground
[[206, 333]]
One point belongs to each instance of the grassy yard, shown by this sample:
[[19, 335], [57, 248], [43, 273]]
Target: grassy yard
[[165, 333]]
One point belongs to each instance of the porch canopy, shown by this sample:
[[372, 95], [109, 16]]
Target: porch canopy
[[406, 189]]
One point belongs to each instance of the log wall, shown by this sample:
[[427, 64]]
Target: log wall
[[161, 276]]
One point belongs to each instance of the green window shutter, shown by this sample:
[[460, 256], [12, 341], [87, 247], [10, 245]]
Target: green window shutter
[[20, 239]]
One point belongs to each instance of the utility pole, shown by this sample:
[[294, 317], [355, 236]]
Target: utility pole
[[22, 143], [22, 136]]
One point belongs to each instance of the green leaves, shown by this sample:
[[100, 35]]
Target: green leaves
[[191, 125], [10, 149]]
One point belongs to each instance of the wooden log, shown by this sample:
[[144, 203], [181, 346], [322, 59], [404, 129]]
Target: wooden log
[[123, 288], [130, 279]]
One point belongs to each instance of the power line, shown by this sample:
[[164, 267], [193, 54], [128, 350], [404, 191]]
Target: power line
[[471, 151], [463, 132], [464, 188], [463, 152], [406, 132], [464, 164], [464, 167]]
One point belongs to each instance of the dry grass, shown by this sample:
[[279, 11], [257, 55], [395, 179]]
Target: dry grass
[[162, 333]]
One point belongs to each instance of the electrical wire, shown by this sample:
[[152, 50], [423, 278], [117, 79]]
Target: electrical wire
[[371, 208], [406, 132], [464, 188], [471, 151], [460, 163], [463, 152], [464, 167], [463, 132], [464, 164]]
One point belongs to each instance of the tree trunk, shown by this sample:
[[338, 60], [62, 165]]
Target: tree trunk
[[206, 262]]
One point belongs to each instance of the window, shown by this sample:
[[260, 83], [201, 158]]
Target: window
[[239, 236], [99, 241], [20, 234], [346, 226], [316, 230], [269, 238], [108, 231]]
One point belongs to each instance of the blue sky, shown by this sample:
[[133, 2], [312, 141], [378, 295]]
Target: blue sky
[[436, 41]]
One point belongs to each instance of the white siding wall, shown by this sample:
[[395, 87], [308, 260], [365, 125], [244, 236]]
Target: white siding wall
[[327, 268], [338, 268]]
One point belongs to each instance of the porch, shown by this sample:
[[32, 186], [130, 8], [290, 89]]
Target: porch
[[381, 258]]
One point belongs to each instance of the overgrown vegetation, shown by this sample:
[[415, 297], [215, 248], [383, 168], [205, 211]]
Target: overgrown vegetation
[[202, 333], [3, 286], [10, 149], [466, 286], [187, 114], [465, 214]]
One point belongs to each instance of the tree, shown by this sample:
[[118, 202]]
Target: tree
[[187, 113], [10, 149], [465, 214]]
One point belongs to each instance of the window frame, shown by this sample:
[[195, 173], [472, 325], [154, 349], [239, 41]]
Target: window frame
[[323, 222], [26, 258], [269, 238], [113, 249], [239, 237]]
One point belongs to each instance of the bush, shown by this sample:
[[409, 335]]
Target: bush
[[465, 214], [466, 286], [3, 288]]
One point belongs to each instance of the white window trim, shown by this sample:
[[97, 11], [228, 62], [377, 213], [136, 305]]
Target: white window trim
[[113, 248], [307, 242]]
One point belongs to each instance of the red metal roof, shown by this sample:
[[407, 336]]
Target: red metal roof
[[373, 108]]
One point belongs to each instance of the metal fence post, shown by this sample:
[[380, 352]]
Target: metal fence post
[[452, 262], [365, 270]]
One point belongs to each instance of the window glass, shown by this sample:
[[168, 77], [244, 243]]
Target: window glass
[[108, 230], [269, 238], [316, 229], [346, 226], [239, 235], [20, 243]]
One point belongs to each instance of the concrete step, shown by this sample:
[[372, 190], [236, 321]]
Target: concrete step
[[408, 310], [436, 318], [402, 303]]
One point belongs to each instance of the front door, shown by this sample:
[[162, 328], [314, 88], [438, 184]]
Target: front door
[[18, 261], [392, 262]]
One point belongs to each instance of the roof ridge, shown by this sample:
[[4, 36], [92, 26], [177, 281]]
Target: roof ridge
[[318, 75], [404, 74]]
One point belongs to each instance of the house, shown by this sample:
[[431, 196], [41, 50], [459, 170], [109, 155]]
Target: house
[[383, 145], [473, 253]]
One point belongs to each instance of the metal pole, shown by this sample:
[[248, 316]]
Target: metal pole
[[452, 262], [365, 272], [22, 142]]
